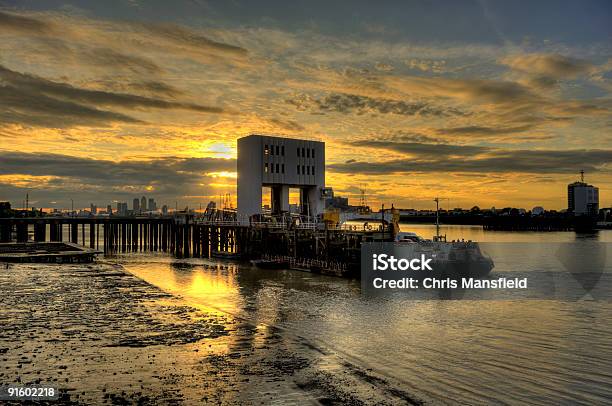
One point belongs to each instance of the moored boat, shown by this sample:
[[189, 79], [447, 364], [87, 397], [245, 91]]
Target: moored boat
[[449, 259]]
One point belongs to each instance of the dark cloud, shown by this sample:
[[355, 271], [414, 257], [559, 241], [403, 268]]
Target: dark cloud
[[170, 177], [544, 82], [148, 87], [97, 56], [166, 169], [545, 71], [72, 52], [155, 87], [287, 124], [36, 101], [21, 107], [414, 137], [188, 37], [63, 40], [550, 66], [484, 131], [110, 58], [181, 36], [592, 108], [351, 103], [97, 97], [499, 92], [423, 149], [490, 161], [22, 24]]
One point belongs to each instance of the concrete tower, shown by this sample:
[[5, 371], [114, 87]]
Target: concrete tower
[[280, 163]]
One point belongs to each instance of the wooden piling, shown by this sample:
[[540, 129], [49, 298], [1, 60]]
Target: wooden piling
[[74, 233], [5, 231], [40, 231], [92, 235], [22, 231]]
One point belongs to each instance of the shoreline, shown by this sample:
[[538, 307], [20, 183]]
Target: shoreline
[[102, 335]]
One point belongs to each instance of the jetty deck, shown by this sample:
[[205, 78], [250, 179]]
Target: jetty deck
[[49, 252], [189, 236]]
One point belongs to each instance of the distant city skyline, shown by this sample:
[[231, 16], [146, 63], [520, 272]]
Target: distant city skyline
[[485, 103]]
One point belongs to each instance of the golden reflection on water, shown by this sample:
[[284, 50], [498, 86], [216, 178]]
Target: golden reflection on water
[[216, 285], [211, 287], [251, 311]]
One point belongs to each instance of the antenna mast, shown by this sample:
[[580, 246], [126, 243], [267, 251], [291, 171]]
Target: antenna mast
[[437, 200], [362, 196]]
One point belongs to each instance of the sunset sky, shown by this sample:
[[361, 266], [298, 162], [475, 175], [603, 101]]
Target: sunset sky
[[479, 102]]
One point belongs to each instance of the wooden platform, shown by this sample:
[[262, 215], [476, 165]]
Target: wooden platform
[[46, 252]]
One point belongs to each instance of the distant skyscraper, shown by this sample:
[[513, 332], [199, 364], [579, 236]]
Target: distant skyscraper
[[152, 204], [122, 209], [143, 204], [109, 209], [165, 210], [93, 208], [136, 205]]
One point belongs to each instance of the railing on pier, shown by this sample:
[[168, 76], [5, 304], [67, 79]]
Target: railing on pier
[[358, 228], [309, 264], [216, 222], [189, 236], [319, 226], [269, 224]]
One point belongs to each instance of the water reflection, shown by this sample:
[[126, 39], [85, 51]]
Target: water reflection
[[469, 351]]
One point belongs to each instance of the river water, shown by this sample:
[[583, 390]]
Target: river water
[[537, 348]]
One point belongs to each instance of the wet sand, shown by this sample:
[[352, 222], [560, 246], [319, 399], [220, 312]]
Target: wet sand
[[101, 335]]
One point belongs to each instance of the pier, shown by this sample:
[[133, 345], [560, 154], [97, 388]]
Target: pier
[[309, 236], [190, 236]]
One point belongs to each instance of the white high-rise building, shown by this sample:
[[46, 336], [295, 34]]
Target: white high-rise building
[[152, 205], [582, 199], [281, 164]]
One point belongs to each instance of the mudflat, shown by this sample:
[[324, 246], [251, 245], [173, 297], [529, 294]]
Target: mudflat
[[101, 335]]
